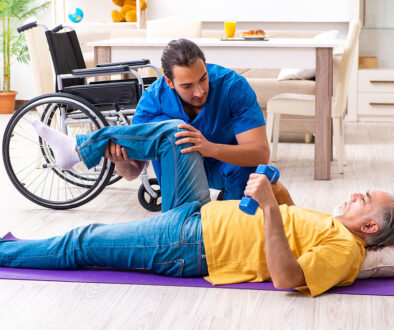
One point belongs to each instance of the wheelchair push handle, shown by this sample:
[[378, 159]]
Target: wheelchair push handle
[[57, 28], [143, 61], [26, 27], [248, 204]]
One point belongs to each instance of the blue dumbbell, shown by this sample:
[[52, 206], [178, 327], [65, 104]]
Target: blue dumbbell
[[248, 204]]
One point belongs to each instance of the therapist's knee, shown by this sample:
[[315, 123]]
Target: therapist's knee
[[238, 172]]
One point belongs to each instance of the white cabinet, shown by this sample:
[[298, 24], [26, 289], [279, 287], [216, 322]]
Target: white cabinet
[[376, 95], [375, 87]]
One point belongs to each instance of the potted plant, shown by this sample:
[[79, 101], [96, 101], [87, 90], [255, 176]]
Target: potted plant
[[12, 44]]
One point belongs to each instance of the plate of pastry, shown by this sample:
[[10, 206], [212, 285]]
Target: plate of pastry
[[254, 35]]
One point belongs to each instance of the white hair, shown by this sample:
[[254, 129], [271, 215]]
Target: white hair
[[385, 218]]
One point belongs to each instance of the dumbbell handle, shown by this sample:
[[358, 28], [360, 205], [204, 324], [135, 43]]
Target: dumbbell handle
[[248, 204]]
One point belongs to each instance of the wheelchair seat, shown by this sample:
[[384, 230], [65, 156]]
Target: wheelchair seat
[[125, 94]]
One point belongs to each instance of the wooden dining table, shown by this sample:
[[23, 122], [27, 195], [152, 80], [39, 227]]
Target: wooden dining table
[[271, 53]]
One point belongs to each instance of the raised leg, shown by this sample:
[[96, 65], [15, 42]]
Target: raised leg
[[183, 176]]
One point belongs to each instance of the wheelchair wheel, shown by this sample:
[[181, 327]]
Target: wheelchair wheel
[[29, 160], [50, 117], [146, 200]]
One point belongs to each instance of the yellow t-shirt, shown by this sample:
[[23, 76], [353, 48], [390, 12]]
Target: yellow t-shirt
[[329, 254]]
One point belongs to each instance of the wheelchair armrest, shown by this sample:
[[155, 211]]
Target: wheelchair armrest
[[112, 69], [144, 61]]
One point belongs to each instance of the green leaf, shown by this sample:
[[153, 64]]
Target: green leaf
[[23, 56], [35, 11]]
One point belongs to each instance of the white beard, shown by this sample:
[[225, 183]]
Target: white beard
[[339, 211]]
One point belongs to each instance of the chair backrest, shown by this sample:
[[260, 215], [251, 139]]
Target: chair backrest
[[40, 61], [66, 55], [345, 69], [173, 27]]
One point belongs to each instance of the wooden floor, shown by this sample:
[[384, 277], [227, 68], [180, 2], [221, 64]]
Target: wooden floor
[[49, 305]]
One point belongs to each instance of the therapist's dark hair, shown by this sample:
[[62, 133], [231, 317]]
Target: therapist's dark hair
[[180, 52]]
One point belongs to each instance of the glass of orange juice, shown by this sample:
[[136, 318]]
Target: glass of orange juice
[[229, 28]]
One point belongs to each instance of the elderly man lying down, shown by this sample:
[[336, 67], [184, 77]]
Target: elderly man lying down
[[289, 245]]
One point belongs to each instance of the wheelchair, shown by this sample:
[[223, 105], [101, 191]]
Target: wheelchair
[[77, 107]]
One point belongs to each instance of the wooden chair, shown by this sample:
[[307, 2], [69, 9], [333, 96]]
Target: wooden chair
[[304, 105]]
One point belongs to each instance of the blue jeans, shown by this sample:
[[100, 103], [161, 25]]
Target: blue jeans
[[183, 178], [170, 243], [230, 178]]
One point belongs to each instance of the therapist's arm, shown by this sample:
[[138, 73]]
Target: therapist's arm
[[252, 148]]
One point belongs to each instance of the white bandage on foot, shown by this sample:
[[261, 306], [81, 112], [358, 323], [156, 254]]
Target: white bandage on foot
[[62, 145]]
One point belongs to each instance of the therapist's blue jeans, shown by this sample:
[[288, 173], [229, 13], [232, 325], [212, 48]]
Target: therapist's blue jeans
[[230, 178], [170, 243]]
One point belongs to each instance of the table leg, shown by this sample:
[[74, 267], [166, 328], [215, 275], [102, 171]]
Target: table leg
[[323, 142], [102, 54]]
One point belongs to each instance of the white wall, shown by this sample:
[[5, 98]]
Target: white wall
[[254, 10], [268, 14], [94, 10], [218, 10]]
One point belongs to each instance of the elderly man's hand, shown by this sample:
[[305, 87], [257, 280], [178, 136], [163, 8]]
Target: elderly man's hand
[[260, 189], [194, 136]]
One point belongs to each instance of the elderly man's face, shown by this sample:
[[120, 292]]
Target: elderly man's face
[[354, 213], [360, 205], [191, 83]]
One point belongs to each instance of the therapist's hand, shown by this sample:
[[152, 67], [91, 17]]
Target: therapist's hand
[[126, 167], [194, 136]]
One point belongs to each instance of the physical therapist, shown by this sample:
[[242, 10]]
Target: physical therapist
[[223, 120]]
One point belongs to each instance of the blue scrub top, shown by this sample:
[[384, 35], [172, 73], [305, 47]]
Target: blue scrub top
[[231, 107]]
